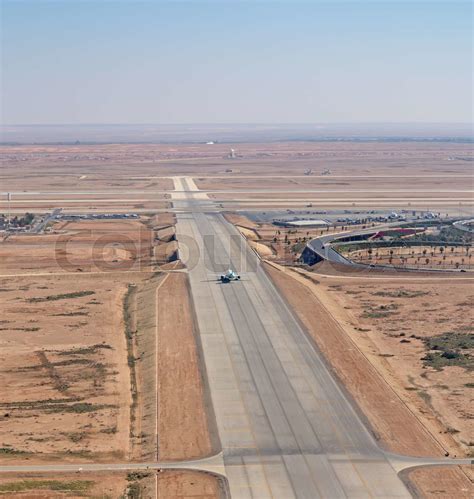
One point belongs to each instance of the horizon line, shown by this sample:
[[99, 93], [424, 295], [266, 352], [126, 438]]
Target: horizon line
[[237, 123]]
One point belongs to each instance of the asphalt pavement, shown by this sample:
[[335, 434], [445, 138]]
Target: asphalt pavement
[[286, 428]]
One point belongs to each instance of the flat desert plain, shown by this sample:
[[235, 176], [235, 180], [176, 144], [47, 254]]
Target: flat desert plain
[[90, 367], [100, 355]]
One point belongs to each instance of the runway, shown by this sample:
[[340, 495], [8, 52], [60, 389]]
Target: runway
[[285, 426]]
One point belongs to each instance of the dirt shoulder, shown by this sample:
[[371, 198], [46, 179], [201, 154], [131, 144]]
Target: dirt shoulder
[[183, 417], [142, 484], [392, 423], [188, 484], [170, 410], [240, 220], [171, 414], [46, 486], [440, 482], [396, 422]]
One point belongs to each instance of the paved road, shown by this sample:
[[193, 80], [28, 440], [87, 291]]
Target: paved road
[[465, 225], [213, 464], [285, 426], [321, 246], [48, 218]]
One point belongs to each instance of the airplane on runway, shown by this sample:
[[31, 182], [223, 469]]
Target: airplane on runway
[[229, 276]]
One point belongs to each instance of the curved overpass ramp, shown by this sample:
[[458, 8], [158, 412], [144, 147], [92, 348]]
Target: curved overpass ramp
[[320, 249]]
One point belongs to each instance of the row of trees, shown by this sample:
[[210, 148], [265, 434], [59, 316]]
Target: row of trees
[[441, 249], [423, 256], [23, 221]]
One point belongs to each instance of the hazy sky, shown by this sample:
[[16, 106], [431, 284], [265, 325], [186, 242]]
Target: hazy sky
[[232, 61]]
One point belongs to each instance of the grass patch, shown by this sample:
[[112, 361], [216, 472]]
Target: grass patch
[[9, 451], [26, 329], [439, 360], [451, 430], [63, 296], [75, 436], [36, 404], [134, 489], [375, 314], [109, 431], [82, 407], [425, 396], [71, 314], [450, 341], [37, 439], [381, 312], [85, 350], [56, 406], [449, 349], [71, 362], [129, 336], [137, 475], [77, 486], [401, 293], [298, 247]]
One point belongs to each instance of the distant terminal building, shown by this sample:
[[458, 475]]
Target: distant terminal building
[[303, 224]]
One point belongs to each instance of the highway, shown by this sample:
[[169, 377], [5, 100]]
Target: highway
[[286, 428]]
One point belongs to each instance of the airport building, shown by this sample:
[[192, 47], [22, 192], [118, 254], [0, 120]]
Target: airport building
[[302, 224]]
